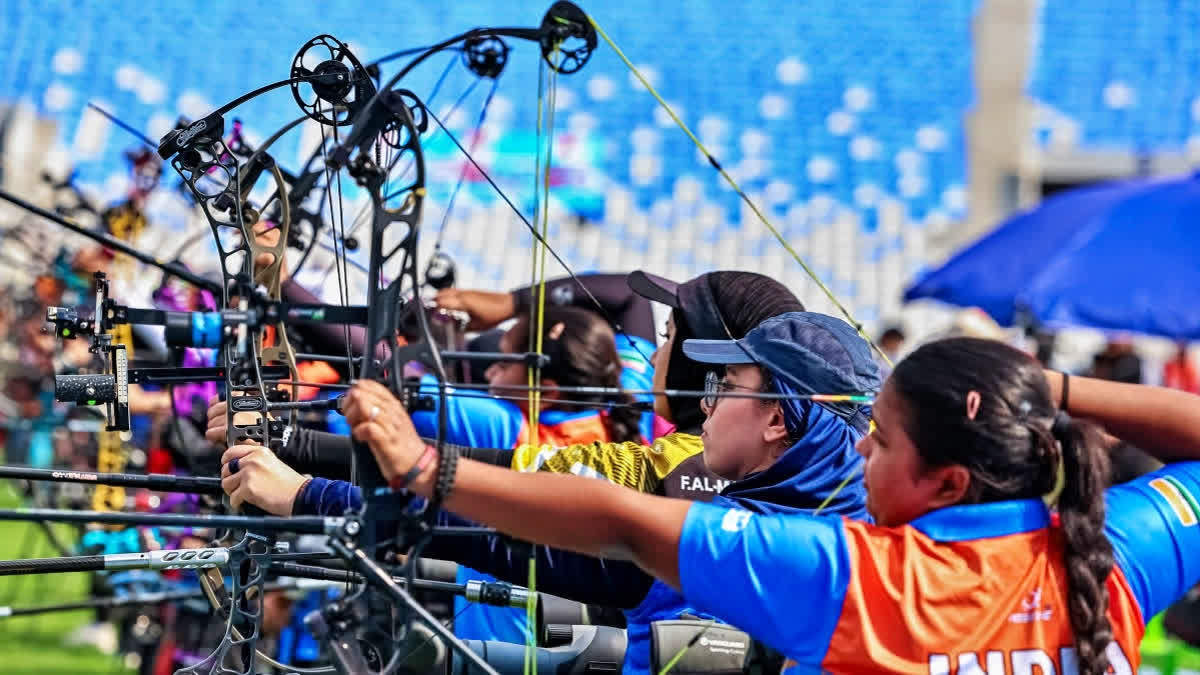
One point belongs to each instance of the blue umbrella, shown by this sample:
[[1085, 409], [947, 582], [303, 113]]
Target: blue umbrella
[[1119, 256]]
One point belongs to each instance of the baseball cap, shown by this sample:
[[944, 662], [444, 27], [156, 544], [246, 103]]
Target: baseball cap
[[693, 297], [814, 353], [654, 287]]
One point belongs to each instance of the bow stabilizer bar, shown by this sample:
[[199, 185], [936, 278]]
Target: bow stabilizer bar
[[182, 559], [154, 481], [297, 524]]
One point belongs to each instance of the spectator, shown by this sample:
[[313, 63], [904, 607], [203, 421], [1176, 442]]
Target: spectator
[[1118, 362], [891, 343], [1180, 372]]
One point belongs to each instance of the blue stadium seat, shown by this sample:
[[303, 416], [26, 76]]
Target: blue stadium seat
[[708, 66]]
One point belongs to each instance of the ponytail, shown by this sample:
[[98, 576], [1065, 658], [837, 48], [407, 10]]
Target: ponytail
[[1088, 555], [1016, 444], [583, 353], [624, 421]]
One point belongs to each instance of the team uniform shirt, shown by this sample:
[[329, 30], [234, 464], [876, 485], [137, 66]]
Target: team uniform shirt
[[484, 422], [966, 589], [814, 474], [644, 468], [673, 465]]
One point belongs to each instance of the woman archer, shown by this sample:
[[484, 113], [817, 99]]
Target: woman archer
[[966, 567]]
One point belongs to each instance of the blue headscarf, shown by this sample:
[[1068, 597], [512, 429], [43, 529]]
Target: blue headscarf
[[820, 471], [822, 465]]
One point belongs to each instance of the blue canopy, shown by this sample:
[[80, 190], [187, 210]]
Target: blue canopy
[[1116, 256]]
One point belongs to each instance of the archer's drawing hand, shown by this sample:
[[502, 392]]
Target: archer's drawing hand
[[486, 308]]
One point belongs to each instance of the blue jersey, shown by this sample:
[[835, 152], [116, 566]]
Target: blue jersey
[[476, 420], [961, 589]]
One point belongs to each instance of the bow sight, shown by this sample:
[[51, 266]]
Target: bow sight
[[203, 330], [111, 389]]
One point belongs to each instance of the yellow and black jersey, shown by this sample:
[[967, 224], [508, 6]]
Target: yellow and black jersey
[[672, 466]]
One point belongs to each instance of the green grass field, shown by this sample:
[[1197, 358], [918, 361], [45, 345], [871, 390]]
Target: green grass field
[[33, 645]]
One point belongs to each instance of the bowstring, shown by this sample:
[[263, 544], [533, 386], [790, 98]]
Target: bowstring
[[343, 289], [600, 309], [337, 221], [364, 213], [736, 188], [754, 208], [462, 174], [533, 369]]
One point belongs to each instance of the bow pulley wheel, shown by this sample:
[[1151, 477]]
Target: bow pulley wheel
[[485, 56], [330, 84], [568, 37], [395, 133]]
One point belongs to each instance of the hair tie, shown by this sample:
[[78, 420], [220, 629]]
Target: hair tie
[[1023, 409], [1062, 424]]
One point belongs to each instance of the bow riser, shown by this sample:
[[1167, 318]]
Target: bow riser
[[203, 156]]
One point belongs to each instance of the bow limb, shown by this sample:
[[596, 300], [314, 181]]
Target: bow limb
[[270, 277], [398, 331]]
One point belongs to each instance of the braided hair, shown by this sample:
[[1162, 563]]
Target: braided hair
[[1013, 446]]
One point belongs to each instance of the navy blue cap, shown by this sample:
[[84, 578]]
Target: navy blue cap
[[814, 353]]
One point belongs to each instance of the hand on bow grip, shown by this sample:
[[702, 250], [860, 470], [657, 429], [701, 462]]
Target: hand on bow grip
[[268, 238], [378, 419], [217, 431], [252, 474], [486, 308]]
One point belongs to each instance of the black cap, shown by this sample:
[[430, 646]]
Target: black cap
[[654, 287], [694, 298]]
